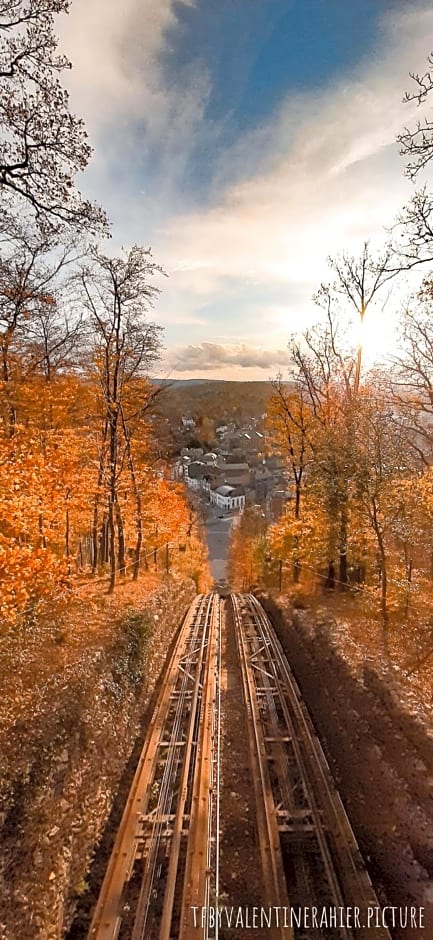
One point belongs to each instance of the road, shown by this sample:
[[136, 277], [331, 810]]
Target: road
[[218, 538]]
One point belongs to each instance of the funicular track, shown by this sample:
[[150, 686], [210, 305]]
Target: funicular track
[[322, 863], [165, 856]]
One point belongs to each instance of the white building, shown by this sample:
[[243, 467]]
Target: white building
[[228, 498], [188, 422]]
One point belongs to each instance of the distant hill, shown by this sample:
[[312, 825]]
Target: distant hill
[[218, 401], [211, 402], [176, 382]]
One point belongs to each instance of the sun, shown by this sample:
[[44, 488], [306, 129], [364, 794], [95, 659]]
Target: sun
[[378, 337]]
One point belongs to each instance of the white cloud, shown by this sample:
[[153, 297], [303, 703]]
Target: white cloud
[[134, 118], [115, 51], [320, 177], [208, 356], [331, 177]]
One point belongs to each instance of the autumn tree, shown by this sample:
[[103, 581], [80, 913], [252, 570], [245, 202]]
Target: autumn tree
[[411, 388], [324, 369], [42, 145], [33, 271], [248, 548], [301, 544], [289, 425], [116, 293], [412, 379], [382, 461]]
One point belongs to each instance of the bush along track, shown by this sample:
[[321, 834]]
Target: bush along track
[[62, 784]]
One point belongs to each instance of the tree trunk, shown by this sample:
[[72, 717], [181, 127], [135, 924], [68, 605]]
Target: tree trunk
[[137, 497], [67, 538], [120, 541], [296, 561], [384, 592], [330, 577], [11, 410], [409, 581], [113, 496], [138, 543], [41, 530], [342, 574], [383, 566], [111, 547], [97, 498], [357, 381]]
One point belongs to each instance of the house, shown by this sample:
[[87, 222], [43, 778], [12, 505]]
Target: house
[[181, 468], [278, 503], [193, 452], [263, 481], [194, 473], [236, 474], [188, 422], [228, 498]]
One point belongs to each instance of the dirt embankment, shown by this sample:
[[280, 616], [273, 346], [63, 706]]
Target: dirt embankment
[[381, 757], [64, 762]]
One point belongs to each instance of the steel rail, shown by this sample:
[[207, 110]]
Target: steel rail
[[350, 875], [318, 765], [200, 866], [194, 709], [274, 882], [217, 769], [107, 918], [313, 808]]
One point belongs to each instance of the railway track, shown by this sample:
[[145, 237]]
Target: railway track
[[164, 852], [322, 863], [166, 857]]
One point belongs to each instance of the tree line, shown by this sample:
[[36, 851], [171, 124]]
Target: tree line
[[80, 487], [357, 442]]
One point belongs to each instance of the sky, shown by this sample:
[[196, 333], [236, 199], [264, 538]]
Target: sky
[[245, 142]]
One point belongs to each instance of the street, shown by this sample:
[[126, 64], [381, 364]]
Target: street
[[218, 538]]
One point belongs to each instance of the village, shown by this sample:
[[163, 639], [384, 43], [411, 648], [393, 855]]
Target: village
[[240, 470]]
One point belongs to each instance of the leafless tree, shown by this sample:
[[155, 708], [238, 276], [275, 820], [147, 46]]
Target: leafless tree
[[117, 293], [289, 422], [42, 145], [359, 280], [413, 231], [412, 377], [324, 369], [417, 143]]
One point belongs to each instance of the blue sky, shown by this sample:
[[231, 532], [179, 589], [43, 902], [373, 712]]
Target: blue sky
[[258, 51], [245, 141], [254, 54]]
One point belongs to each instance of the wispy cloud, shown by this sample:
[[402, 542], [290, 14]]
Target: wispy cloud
[[332, 177], [319, 176], [116, 56], [143, 128]]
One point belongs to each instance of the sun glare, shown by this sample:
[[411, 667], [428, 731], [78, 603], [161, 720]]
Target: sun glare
[[377, 336]]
